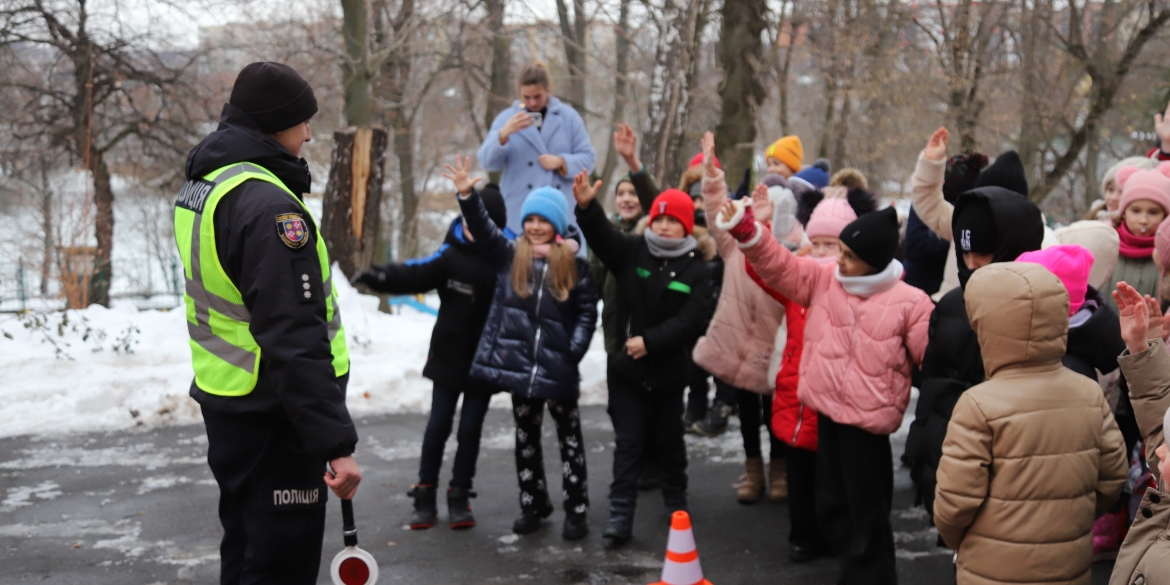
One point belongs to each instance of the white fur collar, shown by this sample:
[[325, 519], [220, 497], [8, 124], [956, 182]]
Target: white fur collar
[[867, 286]]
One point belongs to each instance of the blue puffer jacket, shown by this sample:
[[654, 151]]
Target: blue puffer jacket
[[530, 346]]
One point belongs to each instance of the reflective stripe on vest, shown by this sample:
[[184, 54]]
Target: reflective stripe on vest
[[224, 354]]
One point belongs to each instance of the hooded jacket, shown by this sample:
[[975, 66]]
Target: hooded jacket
[[1033, 455], [858, 350], [669, 317], [530, 346], [1145, 555], [1094, 345], [737, 346], [953, 361], [466, 282], [296, 364]]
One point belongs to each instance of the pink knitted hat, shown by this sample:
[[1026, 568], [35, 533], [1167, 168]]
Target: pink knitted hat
[[1152, 185], [1162, 245], [829, 218], [1071, 264]]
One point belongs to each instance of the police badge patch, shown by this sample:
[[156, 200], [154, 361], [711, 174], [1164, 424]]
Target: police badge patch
[[292, 229]]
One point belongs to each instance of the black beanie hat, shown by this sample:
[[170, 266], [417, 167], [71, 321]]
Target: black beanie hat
[[1007, 171], [493, 201], [873, 237], [274, 95], [974, 228], [962, 174]]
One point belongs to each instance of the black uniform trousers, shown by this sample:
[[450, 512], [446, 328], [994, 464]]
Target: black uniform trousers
[[272, 496], [645, 418], [802, 500], [529, 415], [855, 492]]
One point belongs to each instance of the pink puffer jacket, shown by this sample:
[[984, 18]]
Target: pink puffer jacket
[[858, 352], [739, 341]]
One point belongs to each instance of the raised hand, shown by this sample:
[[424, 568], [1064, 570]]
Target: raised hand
[[709, 154], [626, 142], [1162, 128], [582, 191], [1155, 309], [936, 147], [459, 174], [1135, 317]]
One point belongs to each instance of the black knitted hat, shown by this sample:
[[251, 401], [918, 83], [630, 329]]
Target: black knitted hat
[[274, 95], [1007, 171], [873, 237], [493, 201], [962, 173], [974, 228]]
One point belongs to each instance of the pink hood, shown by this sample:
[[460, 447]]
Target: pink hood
[[1071, 264]]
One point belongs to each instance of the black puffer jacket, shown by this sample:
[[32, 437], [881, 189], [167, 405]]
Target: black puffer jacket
[[1095, 344], [953, 361], [530, 346], [466, 282], [666, 301]]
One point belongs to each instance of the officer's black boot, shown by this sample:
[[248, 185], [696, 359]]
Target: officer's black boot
[[459, 507], [425, 509], [620, 529]]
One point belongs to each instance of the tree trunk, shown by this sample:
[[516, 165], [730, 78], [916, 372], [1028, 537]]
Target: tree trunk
[[354, 67], [674, 58], [622, 66], [500, 92], [741, 53], [46, 227], [785, 67], [404, 152], [103, 201], [573, 40], [1029, 143], [350, 219]]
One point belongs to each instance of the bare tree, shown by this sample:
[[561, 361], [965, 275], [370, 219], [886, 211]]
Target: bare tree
[[573, 37], [621, 70], [90, 88], [742, 54]]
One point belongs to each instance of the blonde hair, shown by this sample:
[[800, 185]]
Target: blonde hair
[[562, 268], [535, 74]]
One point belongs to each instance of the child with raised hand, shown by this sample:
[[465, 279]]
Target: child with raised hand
[[1146, 551], [465, 280], [1145, 200], [662, 310], [866, 330], [541, 321], [737, 346]]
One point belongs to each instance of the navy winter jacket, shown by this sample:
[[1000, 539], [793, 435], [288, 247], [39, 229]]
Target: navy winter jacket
[[530, 346], [924, 255]]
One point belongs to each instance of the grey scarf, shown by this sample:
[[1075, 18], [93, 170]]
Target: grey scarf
[[661, 247]]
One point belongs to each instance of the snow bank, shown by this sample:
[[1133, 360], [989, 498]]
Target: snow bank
[[113, 369]]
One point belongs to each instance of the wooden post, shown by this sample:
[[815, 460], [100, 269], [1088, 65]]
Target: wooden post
[[350, 217]]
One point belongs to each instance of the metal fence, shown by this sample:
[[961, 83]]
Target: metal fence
[[146, 282]]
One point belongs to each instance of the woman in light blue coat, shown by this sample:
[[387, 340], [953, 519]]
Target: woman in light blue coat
[[538, 142]]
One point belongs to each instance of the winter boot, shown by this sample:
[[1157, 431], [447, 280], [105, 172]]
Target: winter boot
[[716, 422], [425, 509], [751, 484], [620, 529], [459, 507], [778, 481], [529, 520], [576, 527]]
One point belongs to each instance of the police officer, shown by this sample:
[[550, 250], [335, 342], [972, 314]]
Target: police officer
[[267, 345]]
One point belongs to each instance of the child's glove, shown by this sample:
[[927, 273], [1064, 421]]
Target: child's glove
[[742, 224]]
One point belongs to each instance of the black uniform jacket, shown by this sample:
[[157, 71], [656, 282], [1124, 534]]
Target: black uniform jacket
[[296, 371]]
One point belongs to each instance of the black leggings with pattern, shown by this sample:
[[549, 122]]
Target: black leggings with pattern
[[529, 415]]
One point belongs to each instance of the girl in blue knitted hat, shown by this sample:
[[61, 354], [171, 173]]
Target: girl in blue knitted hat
[[538, 329]]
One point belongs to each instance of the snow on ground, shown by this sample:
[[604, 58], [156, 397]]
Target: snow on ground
[[111, 369]]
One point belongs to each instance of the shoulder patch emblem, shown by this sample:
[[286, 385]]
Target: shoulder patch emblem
[[293, 230]]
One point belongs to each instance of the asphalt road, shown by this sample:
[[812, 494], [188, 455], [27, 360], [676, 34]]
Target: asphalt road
[[140, 508]]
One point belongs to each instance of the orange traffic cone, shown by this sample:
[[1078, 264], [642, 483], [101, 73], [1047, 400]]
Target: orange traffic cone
[[682, 558]]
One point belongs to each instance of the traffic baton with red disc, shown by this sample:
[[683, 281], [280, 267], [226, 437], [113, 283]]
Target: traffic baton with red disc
[[352, 566]]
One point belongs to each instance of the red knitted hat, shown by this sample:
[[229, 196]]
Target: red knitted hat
[[698, 160], [676, 204]]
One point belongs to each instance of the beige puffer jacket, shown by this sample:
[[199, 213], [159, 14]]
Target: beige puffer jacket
[[1032, 456], [1145, 555], [737, 347]]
